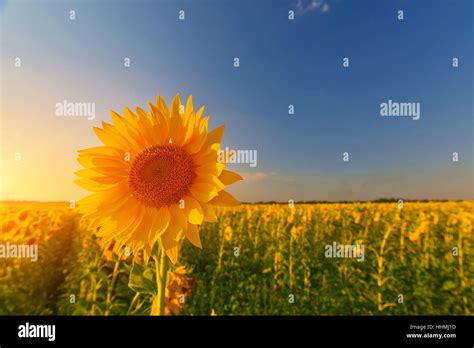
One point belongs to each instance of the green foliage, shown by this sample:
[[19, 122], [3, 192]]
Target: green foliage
[[257, 259]]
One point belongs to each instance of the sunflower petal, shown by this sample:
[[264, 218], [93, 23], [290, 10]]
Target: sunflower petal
[[193, 210], [203, 192], [225, 199], [209, 212], [214, 136], [173, 252], [227, 177], [189, 106], [211, 179], [192, 234], [162, 221]]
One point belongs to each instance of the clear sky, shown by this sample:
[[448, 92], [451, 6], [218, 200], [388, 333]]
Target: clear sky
[[282, 62]]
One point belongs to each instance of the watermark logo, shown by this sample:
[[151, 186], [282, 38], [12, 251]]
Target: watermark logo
[[11, 251], [71, 109], [400, 109], [355, 251], [37, 331], [238, 156]]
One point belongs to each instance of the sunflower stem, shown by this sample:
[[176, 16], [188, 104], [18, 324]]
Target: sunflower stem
[[162, 267]]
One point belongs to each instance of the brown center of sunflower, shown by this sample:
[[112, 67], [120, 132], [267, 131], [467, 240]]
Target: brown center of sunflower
[[161, 175]]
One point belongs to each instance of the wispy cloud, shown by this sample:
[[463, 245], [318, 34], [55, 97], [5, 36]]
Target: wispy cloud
[[304, 6], [256, 176]]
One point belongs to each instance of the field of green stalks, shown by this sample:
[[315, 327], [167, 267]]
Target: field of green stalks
[[256, 260]]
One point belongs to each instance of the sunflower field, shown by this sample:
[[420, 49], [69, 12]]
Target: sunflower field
[[264, 259]]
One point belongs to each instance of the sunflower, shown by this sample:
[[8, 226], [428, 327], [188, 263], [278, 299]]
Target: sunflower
[[156, 177], [178, 289]]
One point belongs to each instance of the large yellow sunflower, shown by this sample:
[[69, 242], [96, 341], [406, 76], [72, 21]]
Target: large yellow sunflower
[[157, 176]]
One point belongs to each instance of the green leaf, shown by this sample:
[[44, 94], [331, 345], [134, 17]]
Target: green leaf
[[449, 285], [142, 280], [80, 311]]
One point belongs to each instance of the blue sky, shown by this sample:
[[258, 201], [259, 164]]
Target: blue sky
[[282, 62]]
